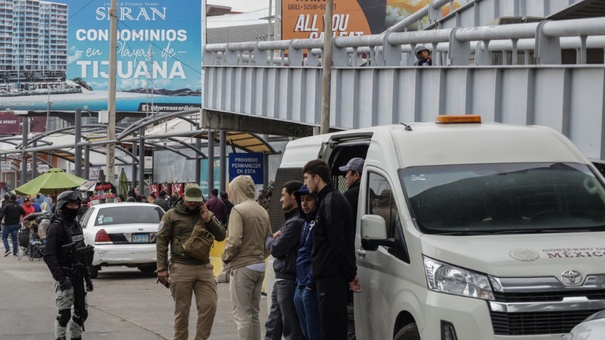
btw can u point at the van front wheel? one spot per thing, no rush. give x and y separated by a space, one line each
409 332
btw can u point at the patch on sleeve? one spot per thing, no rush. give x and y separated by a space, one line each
161 226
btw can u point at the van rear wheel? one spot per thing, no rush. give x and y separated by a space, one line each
409 332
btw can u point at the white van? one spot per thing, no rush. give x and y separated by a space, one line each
467 230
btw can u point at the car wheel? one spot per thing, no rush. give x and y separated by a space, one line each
147 269
94 272
409 332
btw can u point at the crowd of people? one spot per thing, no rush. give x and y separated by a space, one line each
315 270
13 212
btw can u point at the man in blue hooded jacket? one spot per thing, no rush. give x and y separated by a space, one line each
305 297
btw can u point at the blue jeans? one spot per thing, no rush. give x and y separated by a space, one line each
13 230
305 301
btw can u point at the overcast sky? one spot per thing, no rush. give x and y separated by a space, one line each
242 5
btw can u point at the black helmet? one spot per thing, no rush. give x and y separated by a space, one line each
66 197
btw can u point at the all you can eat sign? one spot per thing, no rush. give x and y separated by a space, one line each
251 164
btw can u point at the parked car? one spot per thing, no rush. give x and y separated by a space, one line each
592 328
124 234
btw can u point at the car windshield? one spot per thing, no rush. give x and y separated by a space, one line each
129 215
504 198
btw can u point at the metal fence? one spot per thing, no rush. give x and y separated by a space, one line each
538 43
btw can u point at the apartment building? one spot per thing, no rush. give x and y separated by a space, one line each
33 41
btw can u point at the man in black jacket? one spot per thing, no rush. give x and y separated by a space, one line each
283 318
353 171
333 255
11 213
161 201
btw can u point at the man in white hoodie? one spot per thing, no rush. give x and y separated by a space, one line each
245 256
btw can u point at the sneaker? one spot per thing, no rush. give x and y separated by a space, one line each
16 255
8 252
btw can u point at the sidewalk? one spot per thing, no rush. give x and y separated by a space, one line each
125 304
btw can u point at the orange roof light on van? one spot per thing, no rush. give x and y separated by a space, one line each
458 119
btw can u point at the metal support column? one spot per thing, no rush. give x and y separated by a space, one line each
210 160
87 161
142 161
78 149
223 160
25 131
134 165
35 161
266 171
198 162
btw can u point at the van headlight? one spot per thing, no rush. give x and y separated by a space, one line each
445 278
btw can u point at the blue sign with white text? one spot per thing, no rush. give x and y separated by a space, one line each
251 164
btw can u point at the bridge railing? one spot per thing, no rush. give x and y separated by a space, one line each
540 43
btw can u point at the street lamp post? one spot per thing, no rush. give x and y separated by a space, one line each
49 103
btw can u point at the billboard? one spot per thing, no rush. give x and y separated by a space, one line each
303 19
61 55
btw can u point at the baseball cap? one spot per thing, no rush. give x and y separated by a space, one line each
355 164
193 193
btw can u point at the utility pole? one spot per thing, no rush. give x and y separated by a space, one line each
111 97
269 25
326 63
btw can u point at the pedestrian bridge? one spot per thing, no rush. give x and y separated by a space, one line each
548 72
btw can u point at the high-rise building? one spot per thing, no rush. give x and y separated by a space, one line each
33 41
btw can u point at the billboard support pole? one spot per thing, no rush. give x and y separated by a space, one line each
111 97
326 62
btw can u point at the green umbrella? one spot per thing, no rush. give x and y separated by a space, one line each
123 183
53 181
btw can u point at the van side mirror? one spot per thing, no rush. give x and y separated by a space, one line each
374 232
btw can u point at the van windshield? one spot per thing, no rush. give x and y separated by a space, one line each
505 198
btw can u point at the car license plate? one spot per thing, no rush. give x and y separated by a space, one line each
140 238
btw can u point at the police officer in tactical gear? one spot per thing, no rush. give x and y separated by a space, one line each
68 257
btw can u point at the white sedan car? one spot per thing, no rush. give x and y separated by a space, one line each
123 234
593 328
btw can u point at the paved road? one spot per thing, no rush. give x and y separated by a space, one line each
125 304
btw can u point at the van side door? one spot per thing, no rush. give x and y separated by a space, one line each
377 266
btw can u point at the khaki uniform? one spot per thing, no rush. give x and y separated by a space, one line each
187 275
